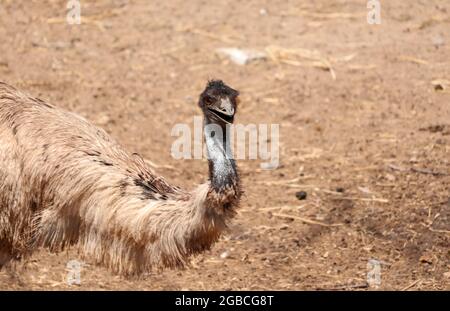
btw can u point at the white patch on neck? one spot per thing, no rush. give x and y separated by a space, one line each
222 167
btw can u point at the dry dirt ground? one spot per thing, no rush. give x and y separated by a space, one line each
364 114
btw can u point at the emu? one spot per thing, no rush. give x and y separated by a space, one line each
64 181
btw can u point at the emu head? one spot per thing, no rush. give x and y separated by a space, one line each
219 102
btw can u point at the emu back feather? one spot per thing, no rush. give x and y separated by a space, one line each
64 181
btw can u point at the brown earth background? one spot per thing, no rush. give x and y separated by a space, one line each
364 114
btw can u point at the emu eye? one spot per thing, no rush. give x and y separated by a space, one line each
208 100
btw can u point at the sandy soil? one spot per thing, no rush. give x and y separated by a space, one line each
379 131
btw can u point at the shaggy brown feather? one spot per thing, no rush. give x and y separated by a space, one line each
64 181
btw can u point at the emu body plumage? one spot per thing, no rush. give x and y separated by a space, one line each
64 181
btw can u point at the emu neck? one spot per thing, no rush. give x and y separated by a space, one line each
222 167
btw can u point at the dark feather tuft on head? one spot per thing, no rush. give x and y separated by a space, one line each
218 88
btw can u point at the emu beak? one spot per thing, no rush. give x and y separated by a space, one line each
224 112
226 107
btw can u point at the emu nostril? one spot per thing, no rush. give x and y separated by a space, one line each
227 110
